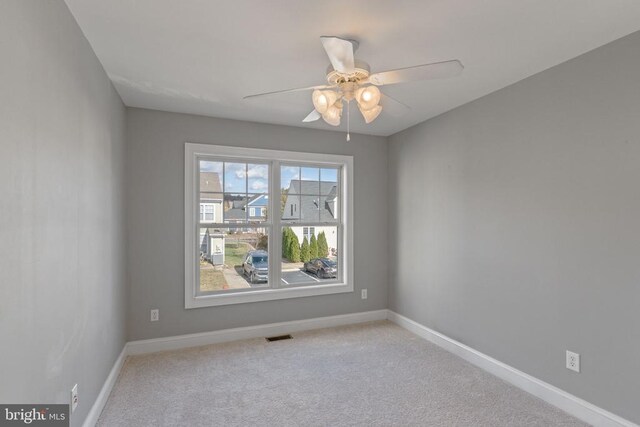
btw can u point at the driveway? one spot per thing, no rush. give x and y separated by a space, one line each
235 279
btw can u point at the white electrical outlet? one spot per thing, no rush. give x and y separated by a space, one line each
155 315
364 294
573 361
74 398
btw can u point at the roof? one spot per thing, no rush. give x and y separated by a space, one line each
311 187
307 204
235 214
237 210
258 200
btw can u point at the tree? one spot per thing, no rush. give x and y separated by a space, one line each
285 242
313 247
323 246
304 250
294 248
263 242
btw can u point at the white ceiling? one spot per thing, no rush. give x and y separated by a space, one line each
203 56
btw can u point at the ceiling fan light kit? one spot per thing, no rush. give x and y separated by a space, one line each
333 114
368 97
371 114
323 100
349 79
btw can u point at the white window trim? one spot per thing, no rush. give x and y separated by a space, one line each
213 209
191 153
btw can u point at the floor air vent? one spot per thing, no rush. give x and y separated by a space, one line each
279 338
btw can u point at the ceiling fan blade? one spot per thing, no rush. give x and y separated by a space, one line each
436 70
312 117
277 92
340 53
393 106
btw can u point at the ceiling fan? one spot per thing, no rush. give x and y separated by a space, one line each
350 79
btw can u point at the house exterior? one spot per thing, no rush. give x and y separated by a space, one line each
253 210
211 212
313 201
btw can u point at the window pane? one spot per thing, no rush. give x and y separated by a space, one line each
309 256
310 181
330 204
235 177
232 258
310 207
210 209
291 207
212 167
289 174
329 175
257 207
235 208
258 178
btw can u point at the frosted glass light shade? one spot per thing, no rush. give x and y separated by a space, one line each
333 114
372 114
323 100
368 97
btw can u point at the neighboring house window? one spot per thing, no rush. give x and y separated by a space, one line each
257 212
207 212
246 259
308 232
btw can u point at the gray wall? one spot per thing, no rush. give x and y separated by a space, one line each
62 258
155 200
514 224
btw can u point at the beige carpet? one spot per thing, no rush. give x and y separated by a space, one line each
373 374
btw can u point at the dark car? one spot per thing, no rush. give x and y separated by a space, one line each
256 266
324 268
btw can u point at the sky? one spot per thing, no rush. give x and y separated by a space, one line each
254 178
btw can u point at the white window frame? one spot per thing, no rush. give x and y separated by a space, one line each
274 157
204 213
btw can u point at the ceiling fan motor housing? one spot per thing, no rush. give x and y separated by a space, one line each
360 72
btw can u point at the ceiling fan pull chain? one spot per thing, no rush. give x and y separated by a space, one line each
348 120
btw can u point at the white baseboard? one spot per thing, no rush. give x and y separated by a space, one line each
573 405
206 338
569 403
105 391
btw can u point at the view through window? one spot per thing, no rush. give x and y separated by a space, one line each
235 225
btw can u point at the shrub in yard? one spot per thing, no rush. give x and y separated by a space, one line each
294 248
263 242
313 247
323 246
286 241
304 250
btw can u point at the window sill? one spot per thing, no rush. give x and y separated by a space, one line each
266 295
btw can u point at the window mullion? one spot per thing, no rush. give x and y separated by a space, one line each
275 241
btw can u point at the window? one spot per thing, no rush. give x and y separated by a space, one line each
237 251
308 232
207 212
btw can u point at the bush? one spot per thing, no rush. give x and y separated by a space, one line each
323 246
287 236
263 242
285 242
294 248
304 250
313 247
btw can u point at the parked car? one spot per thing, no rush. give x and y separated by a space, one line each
324 268
256 266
